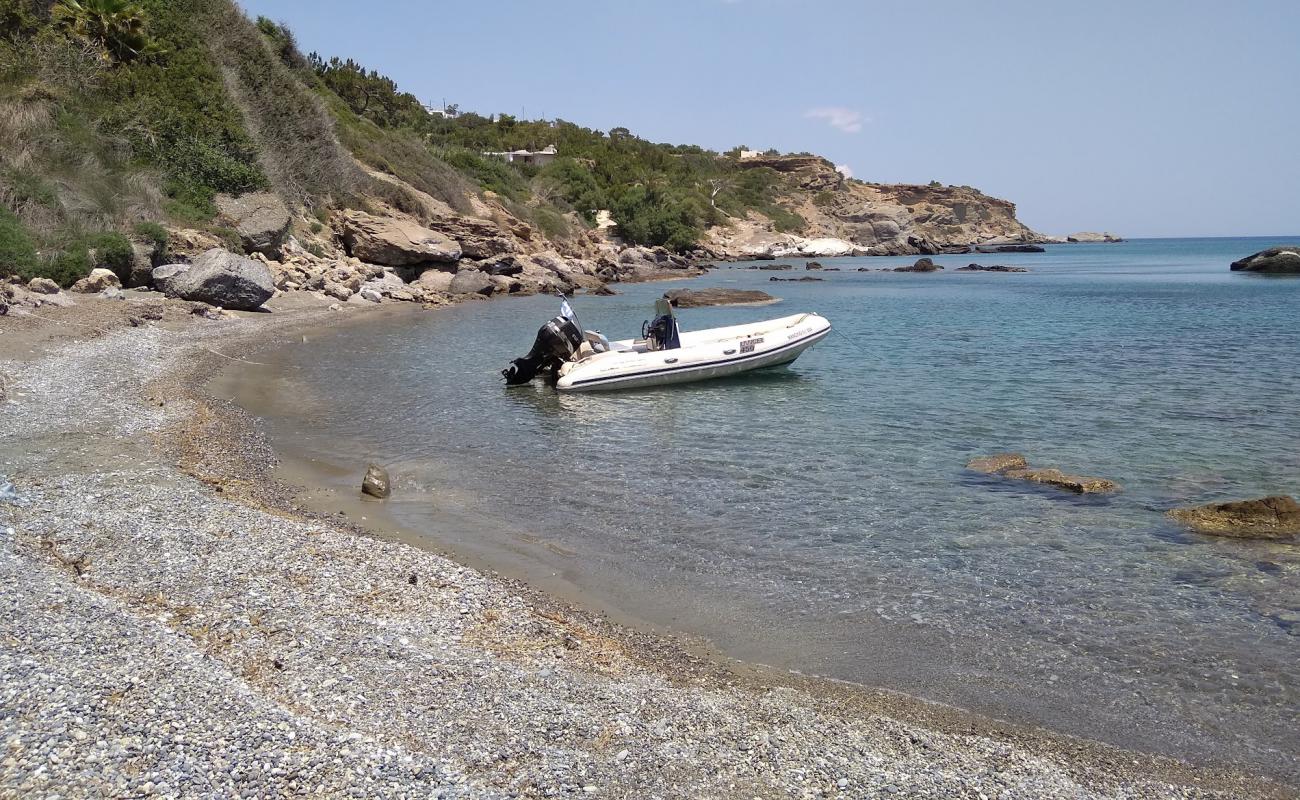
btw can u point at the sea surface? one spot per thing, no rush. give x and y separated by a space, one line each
819 518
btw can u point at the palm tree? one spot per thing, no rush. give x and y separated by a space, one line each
118 26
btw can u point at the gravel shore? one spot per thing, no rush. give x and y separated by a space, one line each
172 635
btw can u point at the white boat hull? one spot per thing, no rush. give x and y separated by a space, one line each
704 355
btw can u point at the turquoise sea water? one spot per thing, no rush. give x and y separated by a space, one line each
819 518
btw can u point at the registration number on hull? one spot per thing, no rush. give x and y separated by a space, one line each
748 345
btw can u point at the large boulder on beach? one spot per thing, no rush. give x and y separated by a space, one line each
471 281
396 242
260 218
698 298
1283 260
219 278
42 286
97 281
1275 517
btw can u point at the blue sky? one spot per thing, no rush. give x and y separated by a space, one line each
1144 118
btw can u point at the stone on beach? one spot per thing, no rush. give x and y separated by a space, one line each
97 281
471 281
219 278
698 298
1275 517
43 286
376 482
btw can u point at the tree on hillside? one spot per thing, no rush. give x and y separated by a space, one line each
117 26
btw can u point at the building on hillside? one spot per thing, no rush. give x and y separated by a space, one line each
539 158
745 155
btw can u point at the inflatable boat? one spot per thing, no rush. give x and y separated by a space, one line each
579 361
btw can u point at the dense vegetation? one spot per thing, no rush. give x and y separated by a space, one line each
115 113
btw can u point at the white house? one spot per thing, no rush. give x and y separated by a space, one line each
538 158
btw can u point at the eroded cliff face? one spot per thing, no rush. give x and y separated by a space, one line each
853 217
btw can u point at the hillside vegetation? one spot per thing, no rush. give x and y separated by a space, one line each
117 117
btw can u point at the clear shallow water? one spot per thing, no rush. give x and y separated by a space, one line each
820 519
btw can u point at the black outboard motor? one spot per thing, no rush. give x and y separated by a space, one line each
555 342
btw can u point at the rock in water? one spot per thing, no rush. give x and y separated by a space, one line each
260 218
97 281
698 298
921 265
376 483
990 268
1276 517
997 463
1013 465
1092 236
396 242
1277 260
219 278
1079 484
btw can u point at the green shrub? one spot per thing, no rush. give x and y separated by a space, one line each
66 267
17 251
229 239
551 222
155 233
316 227
111 250
823 199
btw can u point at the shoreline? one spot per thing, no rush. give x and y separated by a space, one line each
207 451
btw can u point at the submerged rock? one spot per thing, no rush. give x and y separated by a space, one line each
376 483
813 265
774 266
1277 260
997 463
1275 517
990 268
698 298
1080 484
1014 465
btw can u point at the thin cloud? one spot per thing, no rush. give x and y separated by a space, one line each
838 117
845 170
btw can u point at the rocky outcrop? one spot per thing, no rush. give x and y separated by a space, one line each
808 172
989 268
1283 260
921 265
97 281
218 278
1014 466
1276 517
1091 236
395 242
698 298
260 218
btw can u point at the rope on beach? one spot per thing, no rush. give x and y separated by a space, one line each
233 358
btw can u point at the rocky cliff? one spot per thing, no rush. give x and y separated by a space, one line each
850 217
